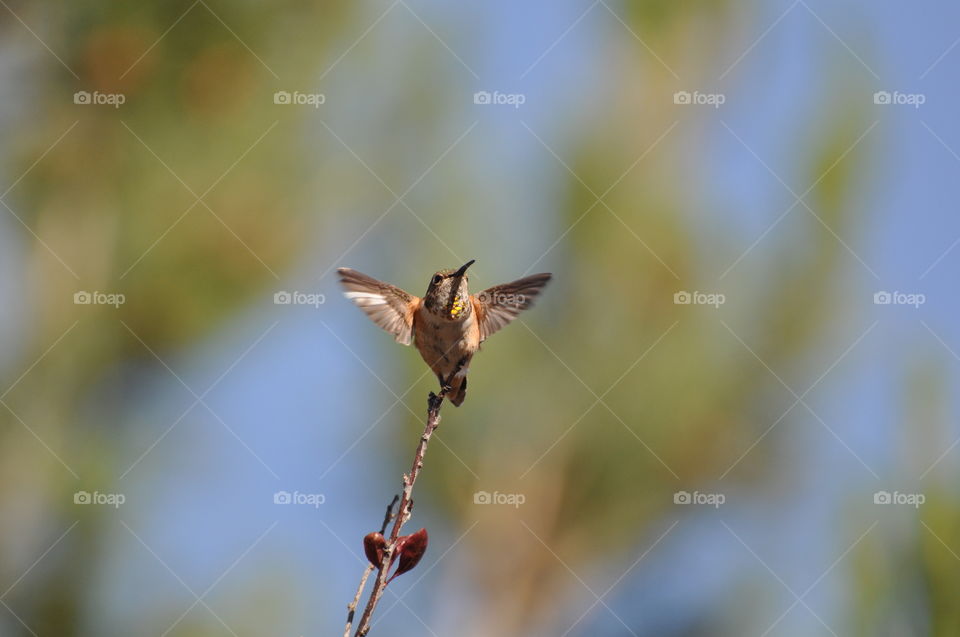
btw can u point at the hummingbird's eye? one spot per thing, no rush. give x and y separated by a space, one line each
436 279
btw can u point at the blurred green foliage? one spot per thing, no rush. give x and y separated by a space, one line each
197 99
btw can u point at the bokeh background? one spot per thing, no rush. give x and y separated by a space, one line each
685 469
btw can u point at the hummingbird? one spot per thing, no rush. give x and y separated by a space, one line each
448 324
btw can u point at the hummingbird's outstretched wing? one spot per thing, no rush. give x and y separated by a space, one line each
497 306
387 305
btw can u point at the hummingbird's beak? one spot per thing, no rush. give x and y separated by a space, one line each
463 268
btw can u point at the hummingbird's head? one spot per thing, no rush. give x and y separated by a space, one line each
447 294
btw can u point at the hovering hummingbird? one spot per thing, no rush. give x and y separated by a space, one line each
448 324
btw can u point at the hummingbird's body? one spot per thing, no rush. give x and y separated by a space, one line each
447 346
448 324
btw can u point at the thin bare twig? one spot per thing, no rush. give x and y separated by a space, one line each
402 515
352 606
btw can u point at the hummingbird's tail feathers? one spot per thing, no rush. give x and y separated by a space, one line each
387 305
459 391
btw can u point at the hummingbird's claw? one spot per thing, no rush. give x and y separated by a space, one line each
433 402
446 385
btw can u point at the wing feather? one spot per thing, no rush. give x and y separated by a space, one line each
387 305
497 306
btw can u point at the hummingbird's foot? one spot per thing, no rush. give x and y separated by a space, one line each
433 402
446 384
